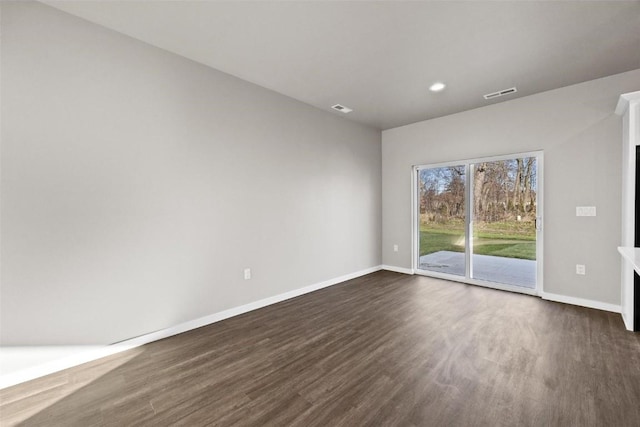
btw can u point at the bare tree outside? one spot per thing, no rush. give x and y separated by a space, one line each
504 208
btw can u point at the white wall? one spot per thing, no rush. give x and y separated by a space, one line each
581 138
137 185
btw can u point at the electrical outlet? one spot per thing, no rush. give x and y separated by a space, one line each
580 269
247 273
395 248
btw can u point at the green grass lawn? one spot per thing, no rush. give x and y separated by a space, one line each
498 239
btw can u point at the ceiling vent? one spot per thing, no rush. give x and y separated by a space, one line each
341 108
500 93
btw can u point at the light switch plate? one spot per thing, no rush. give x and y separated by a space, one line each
585 211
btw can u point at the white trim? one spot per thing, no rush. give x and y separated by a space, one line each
469 170
397 269
581 302
78 359
415 219
629 108
624 101
628 323
540 219
463 162
632 255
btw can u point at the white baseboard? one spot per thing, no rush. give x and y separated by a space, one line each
628 323
397 269
581 302
88 356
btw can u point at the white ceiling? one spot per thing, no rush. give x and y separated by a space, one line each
379 58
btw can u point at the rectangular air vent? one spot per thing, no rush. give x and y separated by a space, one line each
500 93
341 108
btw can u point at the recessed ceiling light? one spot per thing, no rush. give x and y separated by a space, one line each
437 87
341 108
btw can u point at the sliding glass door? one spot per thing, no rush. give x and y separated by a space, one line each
479 221
442 219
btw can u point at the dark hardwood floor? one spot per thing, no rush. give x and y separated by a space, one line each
384 349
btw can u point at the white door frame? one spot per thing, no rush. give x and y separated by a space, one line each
415 223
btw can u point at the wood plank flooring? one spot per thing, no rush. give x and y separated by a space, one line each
385 349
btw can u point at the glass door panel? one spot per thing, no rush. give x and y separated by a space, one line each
442 219
480 221
503 221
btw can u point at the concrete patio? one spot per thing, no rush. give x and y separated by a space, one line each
511 271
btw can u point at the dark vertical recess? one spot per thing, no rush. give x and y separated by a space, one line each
636 278
636 239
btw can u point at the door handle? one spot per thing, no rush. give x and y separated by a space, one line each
539 223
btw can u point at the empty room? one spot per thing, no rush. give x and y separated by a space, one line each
319 213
